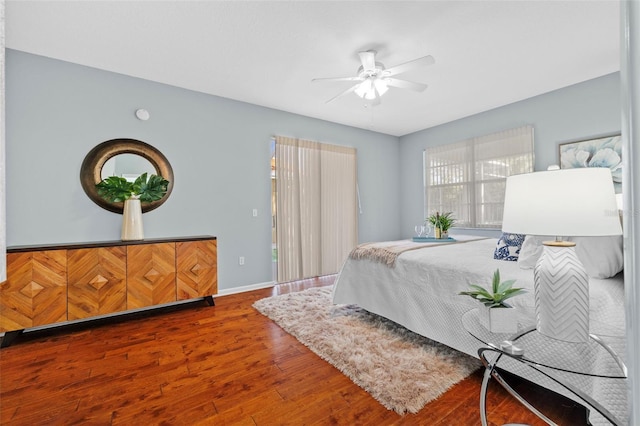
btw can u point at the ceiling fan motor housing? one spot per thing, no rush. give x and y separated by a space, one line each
375 72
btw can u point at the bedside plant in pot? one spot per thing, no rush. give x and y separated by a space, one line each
495 314
441 223
117 189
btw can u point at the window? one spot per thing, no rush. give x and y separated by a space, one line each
468 177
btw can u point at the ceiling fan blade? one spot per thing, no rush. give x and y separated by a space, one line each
368 60
420 62
337 79
404 84
346 92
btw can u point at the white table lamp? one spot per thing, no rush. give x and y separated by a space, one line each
568 202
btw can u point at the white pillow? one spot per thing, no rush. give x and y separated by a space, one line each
530 251
602 257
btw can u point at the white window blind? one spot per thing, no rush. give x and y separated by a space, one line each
316 207
468 177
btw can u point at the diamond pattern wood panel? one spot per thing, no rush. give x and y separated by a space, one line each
197 269
151 274
35 290
97 281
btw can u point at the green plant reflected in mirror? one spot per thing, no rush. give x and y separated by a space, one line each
127 158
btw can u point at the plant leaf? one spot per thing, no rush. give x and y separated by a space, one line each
154 189
505 286
496 281
513 292
114 189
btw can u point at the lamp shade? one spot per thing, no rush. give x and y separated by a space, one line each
567 202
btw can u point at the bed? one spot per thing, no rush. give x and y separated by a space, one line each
418 288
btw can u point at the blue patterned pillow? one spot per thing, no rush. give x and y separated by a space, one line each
508 247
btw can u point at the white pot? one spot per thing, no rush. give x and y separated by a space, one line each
498 320
132 220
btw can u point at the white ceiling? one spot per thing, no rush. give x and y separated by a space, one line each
488 53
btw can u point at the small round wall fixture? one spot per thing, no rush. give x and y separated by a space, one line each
101 162
143 114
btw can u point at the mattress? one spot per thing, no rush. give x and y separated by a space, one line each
421 293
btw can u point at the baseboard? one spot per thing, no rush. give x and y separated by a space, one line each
243 289
117 316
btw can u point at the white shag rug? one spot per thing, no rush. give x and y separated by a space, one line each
400 369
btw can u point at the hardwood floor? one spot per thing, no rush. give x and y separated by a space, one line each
221 365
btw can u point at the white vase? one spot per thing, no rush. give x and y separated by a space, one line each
498 320
132 220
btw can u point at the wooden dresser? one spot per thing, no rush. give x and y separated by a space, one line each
59 283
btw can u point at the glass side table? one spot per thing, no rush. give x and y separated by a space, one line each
556 360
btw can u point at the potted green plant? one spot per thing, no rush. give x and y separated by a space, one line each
441 223
117 189
495 314
142 190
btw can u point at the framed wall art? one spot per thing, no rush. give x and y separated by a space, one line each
600 152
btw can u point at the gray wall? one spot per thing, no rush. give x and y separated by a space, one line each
219 149
581 111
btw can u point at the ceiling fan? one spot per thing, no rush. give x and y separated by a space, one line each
373 79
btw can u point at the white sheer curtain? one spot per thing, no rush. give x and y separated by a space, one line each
316 207
468 177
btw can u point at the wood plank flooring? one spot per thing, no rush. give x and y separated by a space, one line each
221 365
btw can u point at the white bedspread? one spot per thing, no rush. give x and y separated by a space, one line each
421 293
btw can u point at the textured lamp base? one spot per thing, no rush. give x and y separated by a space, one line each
561 287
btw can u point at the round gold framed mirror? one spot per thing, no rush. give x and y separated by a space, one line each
136 158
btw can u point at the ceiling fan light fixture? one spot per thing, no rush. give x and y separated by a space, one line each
364 89
381 86
371 88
